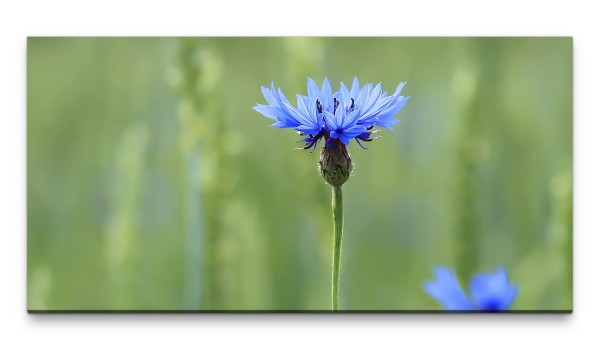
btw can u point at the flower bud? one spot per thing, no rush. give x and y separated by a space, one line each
335 163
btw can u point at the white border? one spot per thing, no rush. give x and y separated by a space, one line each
316 18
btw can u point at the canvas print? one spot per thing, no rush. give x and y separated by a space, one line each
300 174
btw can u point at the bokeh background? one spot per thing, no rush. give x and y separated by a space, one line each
153 185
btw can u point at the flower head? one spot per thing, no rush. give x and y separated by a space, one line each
489 292
336 117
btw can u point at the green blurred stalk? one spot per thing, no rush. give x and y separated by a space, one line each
468 254
338 224
204 135
190 152
122 244
467 226
193 230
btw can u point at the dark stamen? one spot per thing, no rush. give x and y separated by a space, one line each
319 106
336 103
311 142
360 144
352 106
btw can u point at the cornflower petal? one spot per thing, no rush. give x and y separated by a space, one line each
345 95
350 119
330 120
493 292
355 88
447 290
313 89
326 94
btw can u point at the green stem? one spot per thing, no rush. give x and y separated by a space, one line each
338 223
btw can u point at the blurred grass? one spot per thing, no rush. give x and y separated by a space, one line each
152 184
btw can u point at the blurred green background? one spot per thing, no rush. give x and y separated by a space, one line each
153 185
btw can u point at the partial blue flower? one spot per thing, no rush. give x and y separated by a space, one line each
488 292
340 116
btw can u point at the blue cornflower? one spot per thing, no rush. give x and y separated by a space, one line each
489 292
341 116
